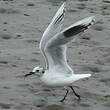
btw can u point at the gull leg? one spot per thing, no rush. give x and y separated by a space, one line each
65 95
75 92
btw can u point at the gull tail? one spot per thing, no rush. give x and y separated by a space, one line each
81 76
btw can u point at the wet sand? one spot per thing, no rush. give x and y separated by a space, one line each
22 23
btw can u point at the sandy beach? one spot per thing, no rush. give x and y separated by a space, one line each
22 23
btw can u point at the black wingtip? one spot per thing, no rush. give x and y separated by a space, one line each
75 30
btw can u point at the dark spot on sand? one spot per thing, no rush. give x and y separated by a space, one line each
4 29
79 53
26 14
9 11
8 0
34 60
105 80
36 53
106 1
30 4
4 62
85 37
5 23
32 41
23 85
6 87
5 106
18 35
5 36
46 90
13 65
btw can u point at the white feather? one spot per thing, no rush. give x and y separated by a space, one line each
53 47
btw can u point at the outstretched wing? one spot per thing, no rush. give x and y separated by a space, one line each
56 47
70 33
53 28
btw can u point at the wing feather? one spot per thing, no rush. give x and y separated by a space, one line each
70 33
53 28
56 47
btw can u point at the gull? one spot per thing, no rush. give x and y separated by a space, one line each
57 72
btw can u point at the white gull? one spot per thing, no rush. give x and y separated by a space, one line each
57 72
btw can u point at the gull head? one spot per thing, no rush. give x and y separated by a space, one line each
38 69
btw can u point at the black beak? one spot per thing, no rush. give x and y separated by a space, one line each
29 74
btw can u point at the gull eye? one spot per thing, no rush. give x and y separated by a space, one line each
43 71
37 70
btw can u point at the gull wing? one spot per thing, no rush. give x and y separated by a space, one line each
53 28
70 33
56 47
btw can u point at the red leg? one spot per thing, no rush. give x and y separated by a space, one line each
75 92
65 95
